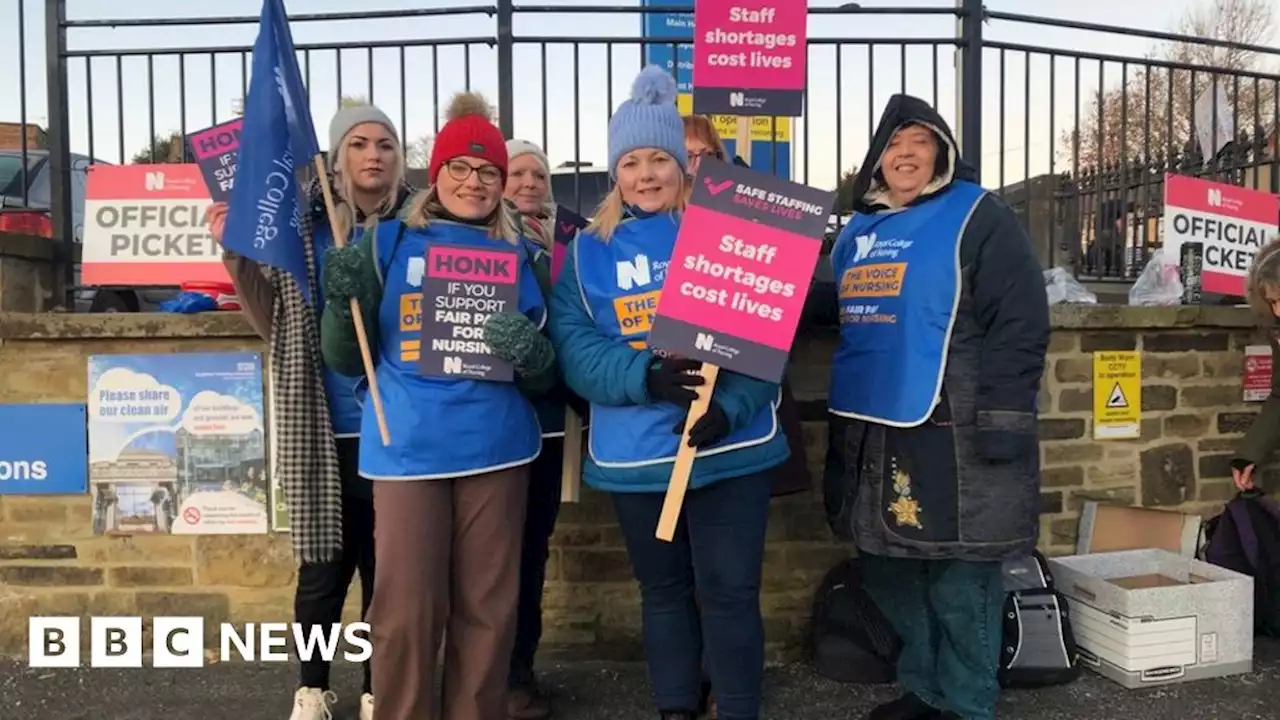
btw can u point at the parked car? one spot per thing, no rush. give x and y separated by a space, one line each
32 216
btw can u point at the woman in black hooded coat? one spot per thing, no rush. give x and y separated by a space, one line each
933 462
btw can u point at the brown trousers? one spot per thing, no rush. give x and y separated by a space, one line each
448 559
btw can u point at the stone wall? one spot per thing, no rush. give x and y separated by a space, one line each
29 274
50 562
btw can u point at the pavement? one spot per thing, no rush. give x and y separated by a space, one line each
598 691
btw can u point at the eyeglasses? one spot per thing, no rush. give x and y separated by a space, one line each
460 170
698 155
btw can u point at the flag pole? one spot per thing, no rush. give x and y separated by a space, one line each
358 317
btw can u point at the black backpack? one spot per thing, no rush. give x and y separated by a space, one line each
1038 647
850 639
1246 538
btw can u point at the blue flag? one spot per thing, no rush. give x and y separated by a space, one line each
277 137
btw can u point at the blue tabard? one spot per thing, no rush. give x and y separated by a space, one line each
344 393
440 427
898 278
621 281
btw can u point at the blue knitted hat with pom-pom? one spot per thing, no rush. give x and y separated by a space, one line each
648 119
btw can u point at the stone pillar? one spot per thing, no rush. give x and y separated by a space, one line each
28 274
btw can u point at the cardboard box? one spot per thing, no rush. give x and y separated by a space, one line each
1152 617
1111 528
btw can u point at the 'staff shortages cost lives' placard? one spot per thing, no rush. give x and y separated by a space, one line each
740 271
462 288
749 57
1231 223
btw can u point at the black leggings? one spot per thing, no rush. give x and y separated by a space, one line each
322 587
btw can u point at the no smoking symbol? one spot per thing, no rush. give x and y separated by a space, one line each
191 515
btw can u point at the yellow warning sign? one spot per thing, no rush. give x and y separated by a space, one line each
1117 395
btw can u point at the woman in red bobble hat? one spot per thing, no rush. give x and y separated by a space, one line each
450 488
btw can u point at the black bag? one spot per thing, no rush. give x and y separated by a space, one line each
1038 646
1246 538
850 639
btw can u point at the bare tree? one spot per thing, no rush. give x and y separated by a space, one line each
162 149
417 152
1151 114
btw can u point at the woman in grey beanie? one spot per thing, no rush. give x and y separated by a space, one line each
317 411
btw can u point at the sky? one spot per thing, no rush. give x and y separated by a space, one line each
572 129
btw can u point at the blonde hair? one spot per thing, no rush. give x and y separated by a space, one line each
1264 274
609 214
426 205
345 210
700 127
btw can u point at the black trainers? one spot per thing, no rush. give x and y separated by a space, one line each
907 707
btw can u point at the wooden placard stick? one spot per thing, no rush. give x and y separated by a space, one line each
683 467
571 464
357 316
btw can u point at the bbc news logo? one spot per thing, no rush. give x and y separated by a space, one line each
178 642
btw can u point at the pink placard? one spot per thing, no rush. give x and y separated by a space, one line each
749 56
740 270
739 277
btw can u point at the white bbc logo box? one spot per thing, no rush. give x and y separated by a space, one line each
178 642
115 642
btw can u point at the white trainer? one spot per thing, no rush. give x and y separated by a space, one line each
366 707
313 704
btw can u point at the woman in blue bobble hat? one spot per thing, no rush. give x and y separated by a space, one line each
601 310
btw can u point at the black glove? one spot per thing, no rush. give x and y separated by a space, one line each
708 430
670 379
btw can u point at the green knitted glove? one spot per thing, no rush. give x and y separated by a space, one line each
513 337
345 274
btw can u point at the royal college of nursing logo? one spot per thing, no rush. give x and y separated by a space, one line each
633 273
864 244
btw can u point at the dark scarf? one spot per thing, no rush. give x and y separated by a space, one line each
305 459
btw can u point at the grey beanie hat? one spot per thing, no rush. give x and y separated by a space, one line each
349 117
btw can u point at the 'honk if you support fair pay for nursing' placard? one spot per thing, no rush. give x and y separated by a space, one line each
462 288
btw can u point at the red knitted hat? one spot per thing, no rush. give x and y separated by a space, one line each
469 130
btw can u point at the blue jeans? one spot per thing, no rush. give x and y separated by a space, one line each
716 555
947 613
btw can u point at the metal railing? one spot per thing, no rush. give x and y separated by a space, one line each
1075 132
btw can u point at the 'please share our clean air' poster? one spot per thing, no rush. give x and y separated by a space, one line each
177 444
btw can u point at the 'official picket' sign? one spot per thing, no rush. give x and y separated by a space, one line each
1229 222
